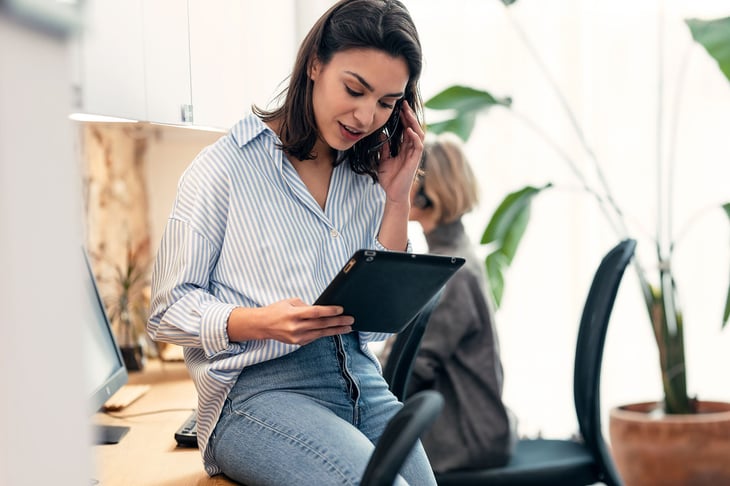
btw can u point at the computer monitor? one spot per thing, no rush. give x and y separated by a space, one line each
105 370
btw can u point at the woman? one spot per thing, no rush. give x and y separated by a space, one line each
459 353
263 220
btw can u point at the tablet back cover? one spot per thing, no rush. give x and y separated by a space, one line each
384 291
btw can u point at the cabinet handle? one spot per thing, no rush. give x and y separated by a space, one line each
186 113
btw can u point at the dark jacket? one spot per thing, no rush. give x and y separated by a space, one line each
459 357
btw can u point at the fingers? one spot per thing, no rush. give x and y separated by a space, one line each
314 328
412 122
336 321
316 311
312 335
330 321
323 317
413 135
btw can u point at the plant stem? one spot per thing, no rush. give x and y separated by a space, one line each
691 221
617 220
665 318
660 234
671 155
615 223
668 324
562 100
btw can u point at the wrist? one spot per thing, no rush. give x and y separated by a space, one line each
394 226
241 325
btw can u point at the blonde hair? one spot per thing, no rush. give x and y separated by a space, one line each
447 179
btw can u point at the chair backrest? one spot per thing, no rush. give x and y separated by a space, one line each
589 353
400 435
399 364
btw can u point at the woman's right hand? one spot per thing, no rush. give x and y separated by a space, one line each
290 321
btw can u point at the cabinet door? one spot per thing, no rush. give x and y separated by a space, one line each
240 51
112 59
167 60
270 30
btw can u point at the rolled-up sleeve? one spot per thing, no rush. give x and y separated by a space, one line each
183 311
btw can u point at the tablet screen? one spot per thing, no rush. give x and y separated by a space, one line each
384 290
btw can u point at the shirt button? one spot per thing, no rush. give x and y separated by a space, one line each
334 233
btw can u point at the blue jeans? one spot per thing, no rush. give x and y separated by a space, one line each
310 417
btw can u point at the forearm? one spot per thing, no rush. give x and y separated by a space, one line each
195 319
393 233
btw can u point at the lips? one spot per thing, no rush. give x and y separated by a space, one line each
350 134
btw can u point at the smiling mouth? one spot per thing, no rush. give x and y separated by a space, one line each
351 133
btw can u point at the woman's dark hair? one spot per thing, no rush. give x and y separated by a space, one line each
385 25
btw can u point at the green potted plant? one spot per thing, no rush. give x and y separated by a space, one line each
509 222
126 299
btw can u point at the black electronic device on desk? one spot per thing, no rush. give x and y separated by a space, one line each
187 434
384 290
105 369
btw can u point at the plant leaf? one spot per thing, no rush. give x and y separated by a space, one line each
461 125
726 314
505 231
464 99
495 274
508 212
714 36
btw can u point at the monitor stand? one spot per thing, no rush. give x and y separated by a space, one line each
109 434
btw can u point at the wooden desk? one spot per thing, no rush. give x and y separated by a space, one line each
148 454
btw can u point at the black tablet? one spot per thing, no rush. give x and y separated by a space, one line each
384 290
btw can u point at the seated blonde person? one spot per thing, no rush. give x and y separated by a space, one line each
459 354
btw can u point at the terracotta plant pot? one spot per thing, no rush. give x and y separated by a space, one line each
671 450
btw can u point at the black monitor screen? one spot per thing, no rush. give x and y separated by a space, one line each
105 370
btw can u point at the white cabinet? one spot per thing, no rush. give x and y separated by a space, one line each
111 61
167 61
239 53
175 61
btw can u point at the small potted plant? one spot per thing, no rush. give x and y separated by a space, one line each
126 297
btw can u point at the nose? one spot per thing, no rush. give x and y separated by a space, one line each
365 114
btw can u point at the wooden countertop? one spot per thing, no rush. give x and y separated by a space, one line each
148 454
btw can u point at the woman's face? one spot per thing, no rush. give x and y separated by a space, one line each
355 93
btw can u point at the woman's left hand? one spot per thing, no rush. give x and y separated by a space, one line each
396 174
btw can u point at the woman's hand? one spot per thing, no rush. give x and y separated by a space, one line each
396 174
290 321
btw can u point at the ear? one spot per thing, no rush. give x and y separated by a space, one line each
315 68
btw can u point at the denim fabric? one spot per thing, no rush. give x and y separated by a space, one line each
310 417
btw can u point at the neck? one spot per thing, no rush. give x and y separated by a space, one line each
427 224
323 153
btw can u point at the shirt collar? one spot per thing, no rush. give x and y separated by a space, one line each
248 129
447 234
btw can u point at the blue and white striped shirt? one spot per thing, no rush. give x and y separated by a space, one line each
245 231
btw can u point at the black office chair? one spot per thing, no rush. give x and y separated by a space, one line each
541 462
400 361
400 435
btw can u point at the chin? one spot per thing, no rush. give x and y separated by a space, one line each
340 145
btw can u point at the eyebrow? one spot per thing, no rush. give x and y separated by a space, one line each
370 88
